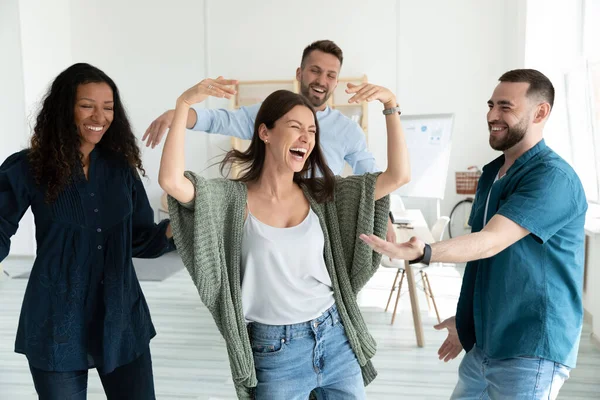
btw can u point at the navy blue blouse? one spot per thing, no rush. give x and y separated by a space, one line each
83 306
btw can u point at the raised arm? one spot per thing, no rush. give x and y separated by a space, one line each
358 155
172 163
238 123
397 172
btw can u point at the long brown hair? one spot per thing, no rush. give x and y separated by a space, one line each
251 161
55 154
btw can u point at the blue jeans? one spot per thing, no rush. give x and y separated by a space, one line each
480 377
133 381
293 360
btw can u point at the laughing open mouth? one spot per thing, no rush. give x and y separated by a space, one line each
298 152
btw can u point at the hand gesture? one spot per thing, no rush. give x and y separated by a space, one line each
410 250
451 347
208 87
219 87
391 233
370 92
158 128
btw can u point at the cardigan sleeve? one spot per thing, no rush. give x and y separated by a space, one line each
357 213
198 233
14 197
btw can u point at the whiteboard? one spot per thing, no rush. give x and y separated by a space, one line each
429 140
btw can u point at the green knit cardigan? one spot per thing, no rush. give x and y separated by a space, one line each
208 235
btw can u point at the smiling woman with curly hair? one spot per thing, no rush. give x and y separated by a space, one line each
83 307
59 146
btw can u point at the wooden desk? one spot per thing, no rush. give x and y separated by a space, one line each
420 230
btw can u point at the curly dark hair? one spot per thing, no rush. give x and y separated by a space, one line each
55 156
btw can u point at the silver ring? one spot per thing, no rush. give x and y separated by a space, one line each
210 87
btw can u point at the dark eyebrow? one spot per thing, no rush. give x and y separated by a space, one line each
501 103
93 101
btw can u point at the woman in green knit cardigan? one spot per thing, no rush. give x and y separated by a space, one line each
275 253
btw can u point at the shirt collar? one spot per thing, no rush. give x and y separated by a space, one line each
323 113
522 160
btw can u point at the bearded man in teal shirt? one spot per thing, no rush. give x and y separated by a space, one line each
520 310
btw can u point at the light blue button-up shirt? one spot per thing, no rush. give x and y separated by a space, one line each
342 140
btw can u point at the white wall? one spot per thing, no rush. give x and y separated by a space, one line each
451 55
554 46
153 50
445 60
13 135
265 40
45 46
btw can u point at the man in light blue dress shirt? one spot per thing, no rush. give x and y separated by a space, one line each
342 140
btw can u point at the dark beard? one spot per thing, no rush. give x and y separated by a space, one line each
316 102
513 136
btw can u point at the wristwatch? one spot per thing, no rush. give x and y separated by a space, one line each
425 258
392 110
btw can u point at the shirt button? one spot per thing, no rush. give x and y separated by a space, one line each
92 194
99 230
95 210
99 247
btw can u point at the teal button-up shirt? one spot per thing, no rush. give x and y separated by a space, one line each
527 299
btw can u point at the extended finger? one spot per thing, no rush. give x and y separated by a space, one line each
373 241
227 82
365 88
367 94
352 88
453 354
223 87
156 132
160 133
443 350
216 91
147 133
151 133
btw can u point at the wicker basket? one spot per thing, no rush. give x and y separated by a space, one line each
466 182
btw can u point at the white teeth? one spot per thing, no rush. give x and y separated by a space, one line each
299 149
94 128
318 90
497 128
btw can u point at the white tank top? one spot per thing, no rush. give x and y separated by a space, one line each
284 277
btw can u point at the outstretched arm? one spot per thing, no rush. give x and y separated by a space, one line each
238 123
172 163
497 235
397 172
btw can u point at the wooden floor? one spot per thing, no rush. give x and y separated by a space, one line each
190 361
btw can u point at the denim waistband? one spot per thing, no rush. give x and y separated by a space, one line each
329 318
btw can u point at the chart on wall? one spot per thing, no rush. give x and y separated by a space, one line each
429 140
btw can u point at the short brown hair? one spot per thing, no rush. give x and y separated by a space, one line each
326 46
539 84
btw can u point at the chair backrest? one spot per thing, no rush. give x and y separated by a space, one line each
438 229
396 203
